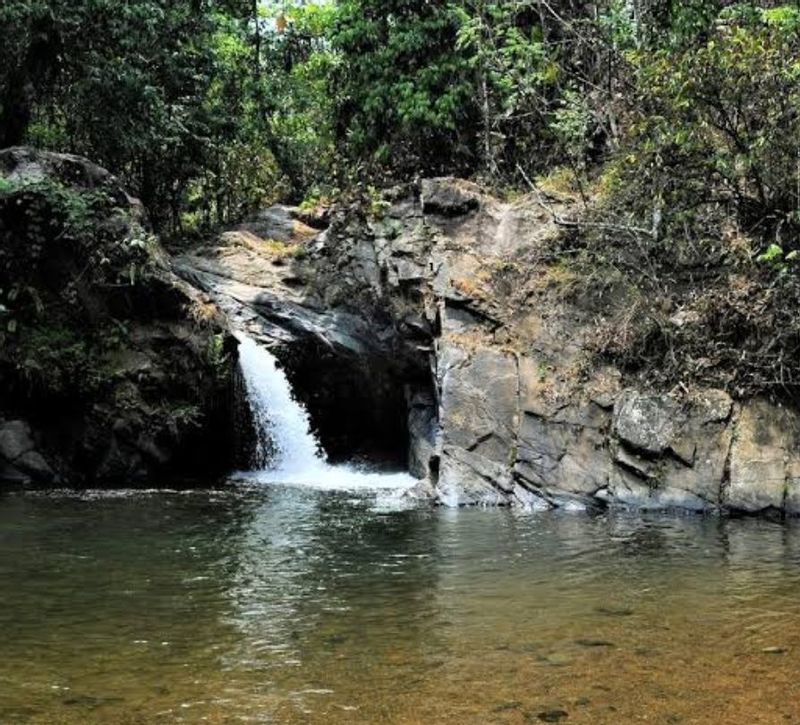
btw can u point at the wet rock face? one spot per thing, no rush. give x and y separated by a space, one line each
356 406
423 431
360 365
113 371
20 462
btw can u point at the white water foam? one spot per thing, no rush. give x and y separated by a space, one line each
287 451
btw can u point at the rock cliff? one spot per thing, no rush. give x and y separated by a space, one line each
442 312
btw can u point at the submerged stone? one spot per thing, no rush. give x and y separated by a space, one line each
594 643
552 715
506 706
614 611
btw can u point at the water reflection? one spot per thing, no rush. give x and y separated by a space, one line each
321 579
298 605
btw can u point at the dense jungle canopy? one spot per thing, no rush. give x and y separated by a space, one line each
207 108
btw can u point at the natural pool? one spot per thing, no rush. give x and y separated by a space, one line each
294 605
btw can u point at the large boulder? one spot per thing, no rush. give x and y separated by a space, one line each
645 422
20 462
449 197
113 371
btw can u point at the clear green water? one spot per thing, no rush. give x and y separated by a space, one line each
291 605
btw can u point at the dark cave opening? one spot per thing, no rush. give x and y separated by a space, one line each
358 405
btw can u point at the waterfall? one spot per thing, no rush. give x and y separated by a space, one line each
284 440
286 449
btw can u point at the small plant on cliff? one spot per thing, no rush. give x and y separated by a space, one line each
49 229
218 358
774 257
57 361
377 206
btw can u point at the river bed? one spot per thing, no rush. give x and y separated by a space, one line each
288 604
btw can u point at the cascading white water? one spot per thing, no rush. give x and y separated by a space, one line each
286 449
284 438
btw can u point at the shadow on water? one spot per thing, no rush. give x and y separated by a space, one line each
321 580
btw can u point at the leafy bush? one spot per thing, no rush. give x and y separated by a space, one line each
716 131
701 208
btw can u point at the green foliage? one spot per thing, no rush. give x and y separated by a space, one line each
701 202
404 97
209 109
202 107
617 24
687 22
377 205
516 77
299 64
58 361
218 358
150 89
80 239
716 130
774 257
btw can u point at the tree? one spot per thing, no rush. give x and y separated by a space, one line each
29 63
515 74
405 101
298 65
155 90
717 129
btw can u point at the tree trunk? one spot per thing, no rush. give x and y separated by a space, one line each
16 113
256 42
